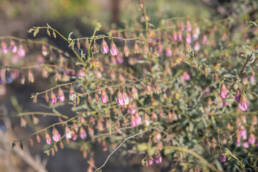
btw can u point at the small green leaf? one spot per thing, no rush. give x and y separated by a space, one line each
54 34
36 31
48 33
31 30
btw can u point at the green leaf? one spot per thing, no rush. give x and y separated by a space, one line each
48 33
54 34
31 30
36 31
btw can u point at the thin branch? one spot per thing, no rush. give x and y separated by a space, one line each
124 141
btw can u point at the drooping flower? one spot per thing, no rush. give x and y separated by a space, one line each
174 36
81 73
197 46
146 119
138 119
238 142
188 26
4 48
48 139
204 40
243 104
126 50
104 97
133 123
246 144
238 95
185 76
150 161
83 134
13 47
21 52
242 132
113 49
74 135
251 139
68 133
196 33
252 78
179 36
223 91
158 159
169 52
61 96
56 136
136 48
188 38
134 93
44 50
104 47
119 58
53 98
222 158
122 99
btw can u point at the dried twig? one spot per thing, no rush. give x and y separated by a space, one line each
125 140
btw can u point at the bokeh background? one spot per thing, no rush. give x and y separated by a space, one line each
79 16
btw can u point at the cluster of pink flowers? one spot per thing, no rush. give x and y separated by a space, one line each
242 136
12 48
69 134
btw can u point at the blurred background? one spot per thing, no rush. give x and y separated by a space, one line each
79 16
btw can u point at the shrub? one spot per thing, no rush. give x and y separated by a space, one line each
183 92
